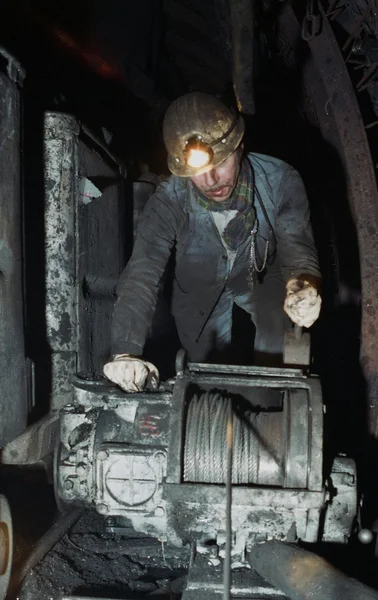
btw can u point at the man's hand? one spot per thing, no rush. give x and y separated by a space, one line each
131 373
302 303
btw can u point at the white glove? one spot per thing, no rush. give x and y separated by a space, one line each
302 303
132 374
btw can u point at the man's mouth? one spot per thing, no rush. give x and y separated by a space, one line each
218 193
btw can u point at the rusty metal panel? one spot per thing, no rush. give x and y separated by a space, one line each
13 399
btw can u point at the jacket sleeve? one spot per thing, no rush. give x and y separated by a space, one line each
138 286
295 242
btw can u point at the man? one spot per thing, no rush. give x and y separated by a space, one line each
239 232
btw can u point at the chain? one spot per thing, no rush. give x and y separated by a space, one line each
253 266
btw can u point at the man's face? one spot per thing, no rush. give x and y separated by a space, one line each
219 183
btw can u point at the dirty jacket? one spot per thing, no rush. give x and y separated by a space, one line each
175 225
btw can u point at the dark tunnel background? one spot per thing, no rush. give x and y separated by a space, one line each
117 65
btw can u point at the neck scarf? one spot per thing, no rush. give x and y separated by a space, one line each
241 200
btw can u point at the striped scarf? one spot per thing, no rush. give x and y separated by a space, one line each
239 228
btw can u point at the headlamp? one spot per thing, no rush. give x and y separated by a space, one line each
198 154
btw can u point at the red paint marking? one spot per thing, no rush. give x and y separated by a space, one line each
149 425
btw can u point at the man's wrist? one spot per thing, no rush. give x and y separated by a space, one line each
307 279
120 356
126 356
125 347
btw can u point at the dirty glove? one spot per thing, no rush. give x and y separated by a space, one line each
131 373
302 302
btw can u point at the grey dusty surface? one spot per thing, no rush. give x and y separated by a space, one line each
86 562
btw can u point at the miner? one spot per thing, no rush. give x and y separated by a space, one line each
237 227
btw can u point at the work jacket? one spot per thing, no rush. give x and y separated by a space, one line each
175 225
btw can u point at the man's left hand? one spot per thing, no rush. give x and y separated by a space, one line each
302 303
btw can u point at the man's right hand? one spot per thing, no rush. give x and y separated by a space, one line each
131 373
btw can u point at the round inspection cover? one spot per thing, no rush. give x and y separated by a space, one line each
131 480
6 546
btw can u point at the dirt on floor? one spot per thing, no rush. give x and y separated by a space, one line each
89 562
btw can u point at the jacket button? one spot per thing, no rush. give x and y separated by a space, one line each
201 312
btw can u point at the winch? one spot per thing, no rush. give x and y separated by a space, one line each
157 460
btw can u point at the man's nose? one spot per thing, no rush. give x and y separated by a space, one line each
211 178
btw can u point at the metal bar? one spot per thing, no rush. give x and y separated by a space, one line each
243 496
227 558
61 163
113 157
85 598
244 370
34 444
242 34
13 401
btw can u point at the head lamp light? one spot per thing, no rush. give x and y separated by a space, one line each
199 154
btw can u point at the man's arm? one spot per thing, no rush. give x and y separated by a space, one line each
297 252
138 286
295 242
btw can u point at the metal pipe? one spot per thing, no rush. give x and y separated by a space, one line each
242 34
302 575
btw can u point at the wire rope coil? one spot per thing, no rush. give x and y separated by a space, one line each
205 449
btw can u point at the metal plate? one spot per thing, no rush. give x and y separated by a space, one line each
297 347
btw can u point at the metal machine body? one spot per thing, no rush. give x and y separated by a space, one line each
151 460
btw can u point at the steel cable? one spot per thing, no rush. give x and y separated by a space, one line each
205 450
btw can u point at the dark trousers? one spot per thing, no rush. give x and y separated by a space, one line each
264 305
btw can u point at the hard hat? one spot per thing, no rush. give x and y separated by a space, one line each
200 132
